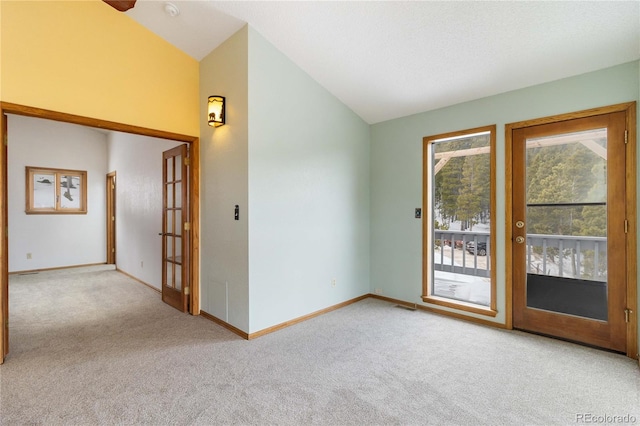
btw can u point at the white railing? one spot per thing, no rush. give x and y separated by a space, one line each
568 256
581 257
453 255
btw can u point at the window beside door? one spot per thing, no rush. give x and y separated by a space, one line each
459 222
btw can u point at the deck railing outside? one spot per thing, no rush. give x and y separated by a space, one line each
456 252
581 257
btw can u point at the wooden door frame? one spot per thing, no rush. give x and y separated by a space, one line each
111 221
629 109
4 241
194 194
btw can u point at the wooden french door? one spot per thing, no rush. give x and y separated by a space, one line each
175 228
569 230
111 218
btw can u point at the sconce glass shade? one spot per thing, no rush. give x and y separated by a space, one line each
216 111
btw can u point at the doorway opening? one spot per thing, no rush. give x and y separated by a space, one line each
194 210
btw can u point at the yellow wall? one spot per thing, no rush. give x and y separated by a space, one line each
86 58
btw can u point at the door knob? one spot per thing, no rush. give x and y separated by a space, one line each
520 240
519 224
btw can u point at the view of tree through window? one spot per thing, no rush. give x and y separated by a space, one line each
459 202
566 195
462 186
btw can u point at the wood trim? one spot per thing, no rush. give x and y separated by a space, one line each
35 271
121 5
631 205
56 268
508 231
428 219
157 290
194 210
455 304
571 115
440 312
225 325
10 108
278 327
632 240
396 301
4 241
305 317
494 211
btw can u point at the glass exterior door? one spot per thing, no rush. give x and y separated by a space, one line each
569 230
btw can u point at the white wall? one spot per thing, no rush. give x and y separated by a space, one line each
55 240
308 192
224 175
137 161
396 167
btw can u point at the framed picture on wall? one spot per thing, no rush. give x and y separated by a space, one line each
55 191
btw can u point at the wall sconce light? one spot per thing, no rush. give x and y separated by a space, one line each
216 111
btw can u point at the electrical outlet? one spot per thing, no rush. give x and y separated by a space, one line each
333 282
28 255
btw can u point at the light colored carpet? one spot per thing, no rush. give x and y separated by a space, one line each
95 347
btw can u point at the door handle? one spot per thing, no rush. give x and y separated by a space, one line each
519 239
519 224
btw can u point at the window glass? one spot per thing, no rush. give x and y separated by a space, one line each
458 227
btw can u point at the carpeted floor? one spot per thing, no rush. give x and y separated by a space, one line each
95 347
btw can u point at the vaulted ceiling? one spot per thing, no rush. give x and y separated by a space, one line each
388 59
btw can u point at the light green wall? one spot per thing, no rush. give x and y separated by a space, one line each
224 183
396 167
296 161
308 192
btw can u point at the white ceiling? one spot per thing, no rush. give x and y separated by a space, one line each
388 59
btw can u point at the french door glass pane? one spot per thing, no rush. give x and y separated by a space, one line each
178 280
178 221
169 247
178 195
170 279
170 196
169 166
178 165
169 224
178 244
